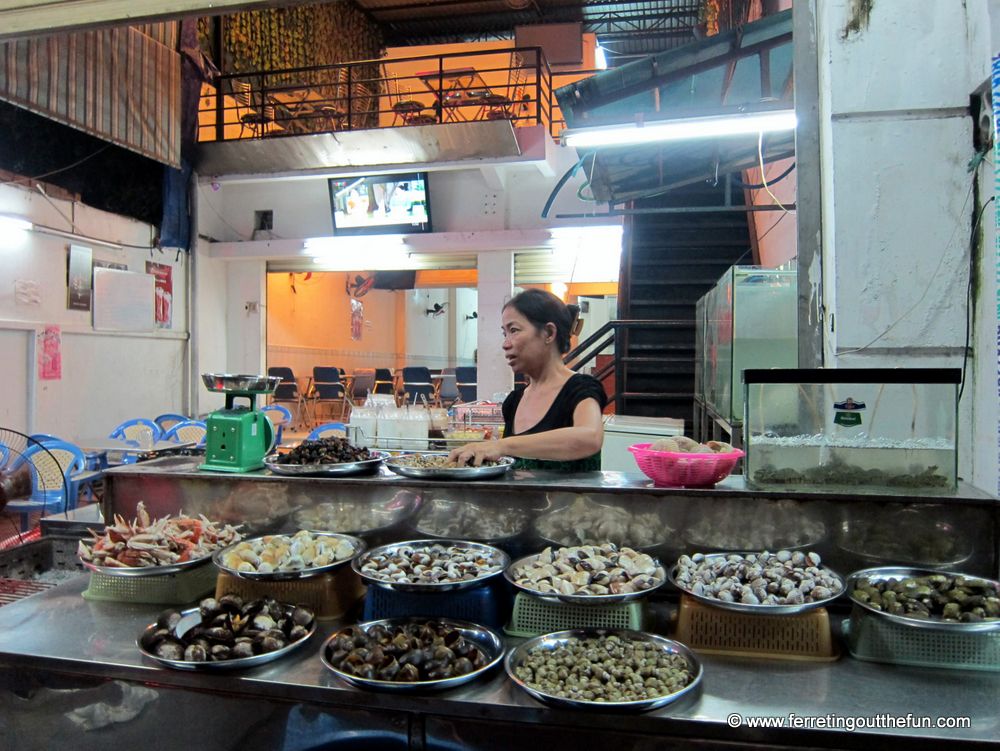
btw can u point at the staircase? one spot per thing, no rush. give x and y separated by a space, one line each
671 260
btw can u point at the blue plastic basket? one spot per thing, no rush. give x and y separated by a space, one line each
488 605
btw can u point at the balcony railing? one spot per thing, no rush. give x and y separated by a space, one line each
513 84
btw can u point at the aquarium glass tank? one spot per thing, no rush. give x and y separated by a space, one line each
857 429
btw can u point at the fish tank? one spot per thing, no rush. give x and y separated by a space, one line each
750 321
699 349
856 429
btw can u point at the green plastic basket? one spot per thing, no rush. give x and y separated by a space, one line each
533 617
876 639
171 589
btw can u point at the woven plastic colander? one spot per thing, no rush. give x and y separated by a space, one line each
678 469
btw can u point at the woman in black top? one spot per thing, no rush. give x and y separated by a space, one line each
555 421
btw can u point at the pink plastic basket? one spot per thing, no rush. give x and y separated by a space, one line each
677 469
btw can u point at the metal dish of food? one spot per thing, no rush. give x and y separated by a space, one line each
586 522
523 660
639 584
192 617
361 466
814 598
225 382
430 565
283 557
355 517
945 589
171 568
429 466
481 648
446 519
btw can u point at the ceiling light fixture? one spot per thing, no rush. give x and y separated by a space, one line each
12 223
712 126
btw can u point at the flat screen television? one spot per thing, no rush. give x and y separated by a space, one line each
380 204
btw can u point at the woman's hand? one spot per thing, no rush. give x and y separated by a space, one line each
476 453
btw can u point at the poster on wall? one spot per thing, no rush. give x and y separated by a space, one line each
79 273
357 318
50 354
164 292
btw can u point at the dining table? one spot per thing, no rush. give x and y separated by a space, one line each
458 90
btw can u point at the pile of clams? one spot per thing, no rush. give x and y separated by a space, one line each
588 570
406 653
782 578
417 562
946 597
229 630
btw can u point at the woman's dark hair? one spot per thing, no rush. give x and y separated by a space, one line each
541 307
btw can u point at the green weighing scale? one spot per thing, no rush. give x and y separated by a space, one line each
238 437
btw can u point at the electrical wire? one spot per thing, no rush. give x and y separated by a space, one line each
763 177
930 281
60 169
586 183
240 234
757 186
968 294
552 196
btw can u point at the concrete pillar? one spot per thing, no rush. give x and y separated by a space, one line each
897 199
496 284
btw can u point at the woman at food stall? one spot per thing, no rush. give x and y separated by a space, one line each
555 421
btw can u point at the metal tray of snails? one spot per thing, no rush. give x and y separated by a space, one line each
226 634
940 600
412 654
587 574
435 466
430 565
531 667
782 583
282 557
358 467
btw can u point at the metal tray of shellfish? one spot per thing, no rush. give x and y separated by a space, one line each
191 618
327 470
408 465
885 573
517 656
139 571
485 639
285 574
511 574
447 519
905 537
757 609
378 565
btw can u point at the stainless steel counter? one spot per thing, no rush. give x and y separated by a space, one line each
73 675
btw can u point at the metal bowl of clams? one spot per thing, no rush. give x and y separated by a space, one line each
587 574
189 639
480 522
434 466
430 565
412 654
940 599
693 575
527 667
279 557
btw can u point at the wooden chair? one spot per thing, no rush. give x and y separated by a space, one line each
362 384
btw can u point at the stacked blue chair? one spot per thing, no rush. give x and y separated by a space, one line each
134 431
329 429
279 417
167 420
53 466
187 431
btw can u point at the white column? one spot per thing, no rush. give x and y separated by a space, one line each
496 284
895 139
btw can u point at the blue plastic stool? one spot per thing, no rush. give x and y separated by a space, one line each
489 605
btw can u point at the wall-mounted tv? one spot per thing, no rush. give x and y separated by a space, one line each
380 204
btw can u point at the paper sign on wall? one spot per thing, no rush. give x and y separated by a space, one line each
164 292
50 354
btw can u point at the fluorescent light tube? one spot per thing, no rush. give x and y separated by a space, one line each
675 130
10 223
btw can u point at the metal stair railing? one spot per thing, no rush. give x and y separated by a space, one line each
615 332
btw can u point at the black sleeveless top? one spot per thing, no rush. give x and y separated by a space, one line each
560 415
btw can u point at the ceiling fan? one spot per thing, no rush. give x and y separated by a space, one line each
437 310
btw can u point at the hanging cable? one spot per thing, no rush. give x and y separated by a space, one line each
559 185
763 177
